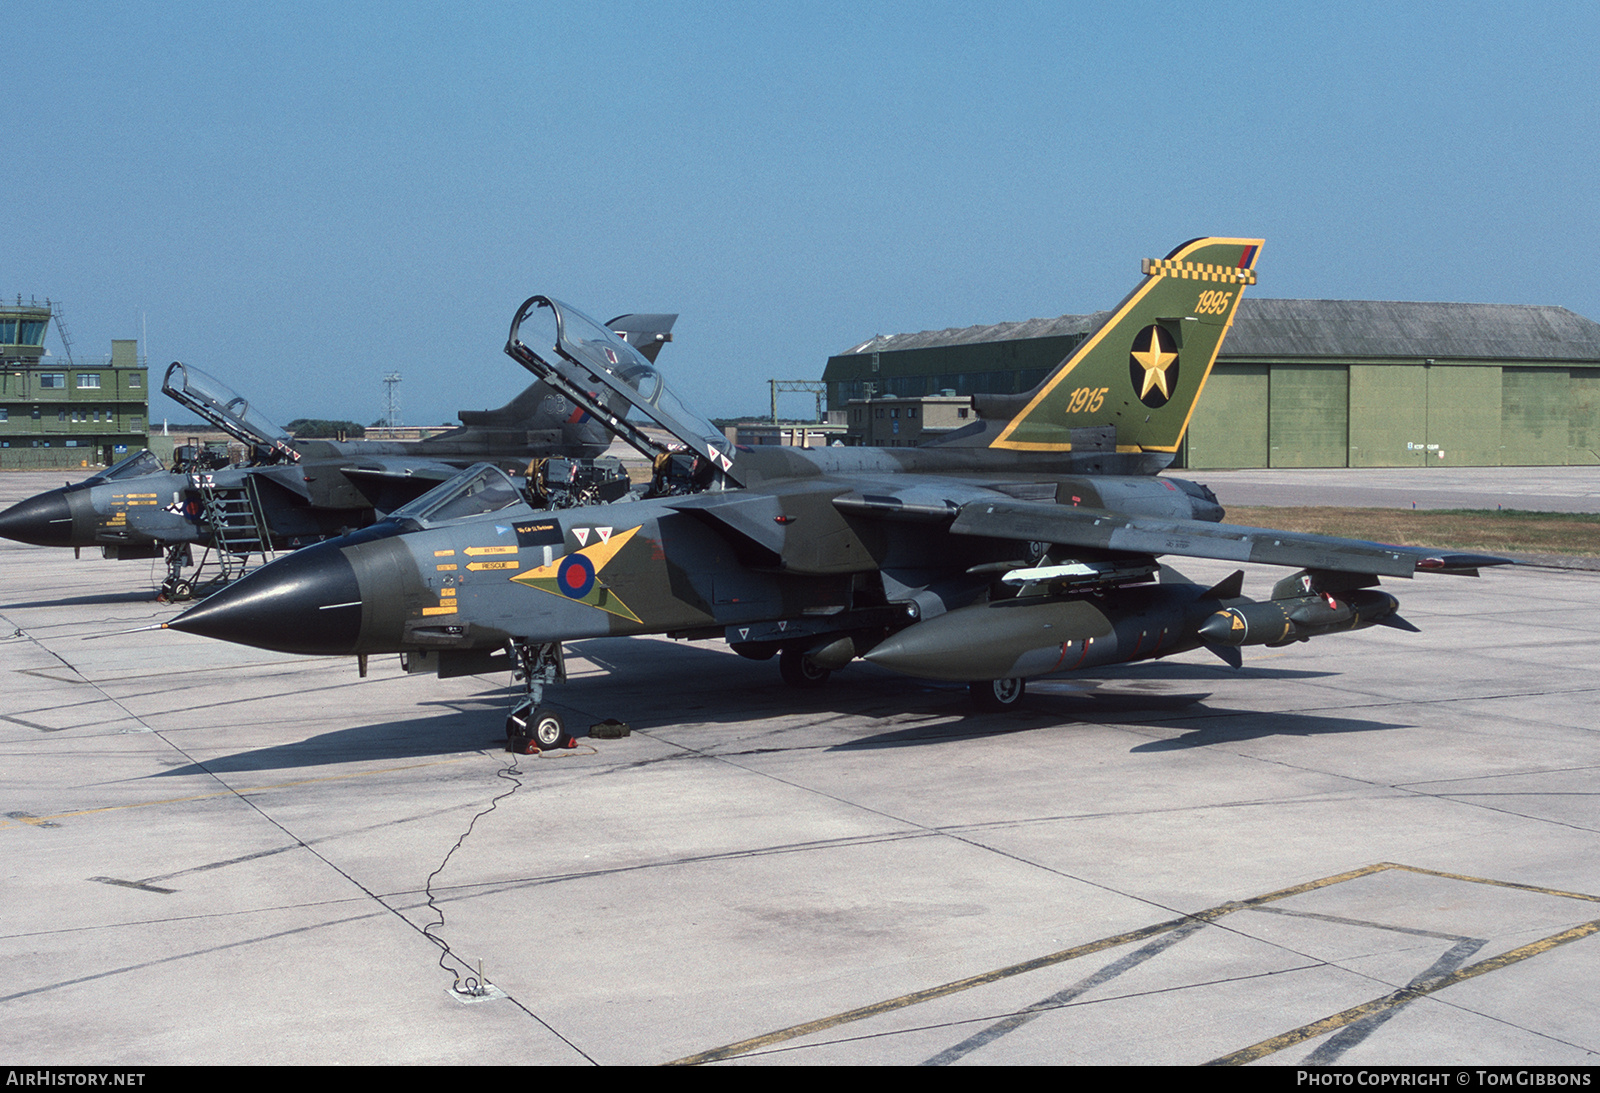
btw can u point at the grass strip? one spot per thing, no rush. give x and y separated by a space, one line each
1489 530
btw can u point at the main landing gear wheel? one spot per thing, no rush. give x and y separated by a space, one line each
997 694
797 670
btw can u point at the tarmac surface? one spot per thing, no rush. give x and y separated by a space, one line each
1374 848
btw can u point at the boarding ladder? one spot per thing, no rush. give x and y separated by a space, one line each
238 528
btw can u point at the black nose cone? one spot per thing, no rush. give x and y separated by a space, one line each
306 602
45 520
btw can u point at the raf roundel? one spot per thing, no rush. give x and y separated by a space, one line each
576 576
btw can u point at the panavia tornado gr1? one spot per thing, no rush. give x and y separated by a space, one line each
289 492
1022 546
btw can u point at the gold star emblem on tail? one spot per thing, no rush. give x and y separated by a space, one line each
1155 364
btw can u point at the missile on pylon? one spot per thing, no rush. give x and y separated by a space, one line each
1279 622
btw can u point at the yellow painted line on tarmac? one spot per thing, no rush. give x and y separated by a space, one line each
37 821
1498 883
1266 1047
1404 994
892 1004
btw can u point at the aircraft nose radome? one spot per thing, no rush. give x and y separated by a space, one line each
45 520
306 602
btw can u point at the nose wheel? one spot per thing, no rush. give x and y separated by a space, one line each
531 727
176 589
537 726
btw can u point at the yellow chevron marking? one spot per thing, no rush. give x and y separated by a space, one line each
597 553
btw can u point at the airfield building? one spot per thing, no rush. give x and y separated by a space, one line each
1308 383
66 413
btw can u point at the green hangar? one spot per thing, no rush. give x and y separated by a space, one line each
1311 383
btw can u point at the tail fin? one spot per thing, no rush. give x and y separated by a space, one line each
537 419
646 333
540 406
1143 370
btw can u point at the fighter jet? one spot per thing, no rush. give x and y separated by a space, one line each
1023 546
291 492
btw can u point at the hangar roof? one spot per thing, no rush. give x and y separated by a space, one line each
1384 328
1336 328
977 335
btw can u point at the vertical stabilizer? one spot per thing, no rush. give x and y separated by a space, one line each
1144 369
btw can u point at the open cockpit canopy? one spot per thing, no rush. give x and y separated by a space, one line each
611 380
226 409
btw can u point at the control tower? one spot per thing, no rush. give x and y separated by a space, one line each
60 412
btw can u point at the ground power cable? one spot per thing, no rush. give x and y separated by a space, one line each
465 984
510 772
472 986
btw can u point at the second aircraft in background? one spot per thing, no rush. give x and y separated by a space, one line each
289 492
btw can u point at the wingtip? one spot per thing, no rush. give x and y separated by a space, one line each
1460 565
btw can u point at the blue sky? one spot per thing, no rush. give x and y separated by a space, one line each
300 198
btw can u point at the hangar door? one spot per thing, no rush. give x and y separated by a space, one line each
1464 416
1536 416
1388 415
1583 445
1229 426
1395 415
1280 415
1308 423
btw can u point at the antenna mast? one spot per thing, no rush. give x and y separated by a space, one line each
391 413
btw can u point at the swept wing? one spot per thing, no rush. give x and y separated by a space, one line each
1120 533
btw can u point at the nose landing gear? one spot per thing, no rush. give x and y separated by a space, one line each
530 727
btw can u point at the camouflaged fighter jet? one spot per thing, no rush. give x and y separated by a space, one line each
290 492
1023 546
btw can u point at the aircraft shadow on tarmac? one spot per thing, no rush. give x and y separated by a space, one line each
656 685
421 738
1215 725
1203 725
